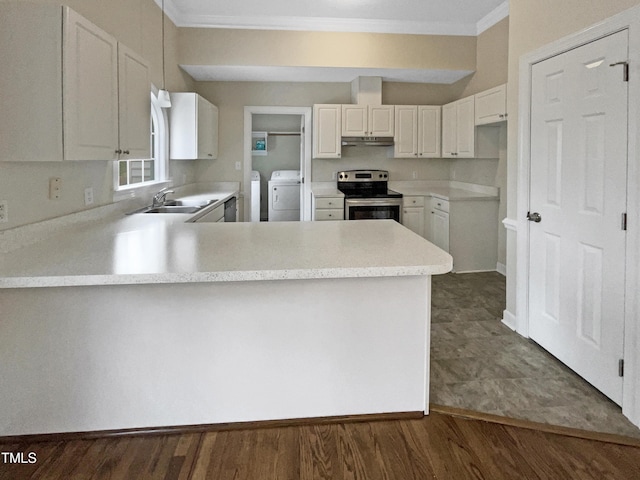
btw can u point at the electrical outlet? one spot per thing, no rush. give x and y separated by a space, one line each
238 166
4 213
88 196
414 175
55 188
333 175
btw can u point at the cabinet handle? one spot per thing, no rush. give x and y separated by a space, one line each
210 154
125 152
118 151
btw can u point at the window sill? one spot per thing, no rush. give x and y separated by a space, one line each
139 190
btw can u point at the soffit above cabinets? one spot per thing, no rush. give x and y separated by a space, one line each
426 17
243 73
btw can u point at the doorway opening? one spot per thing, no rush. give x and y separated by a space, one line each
277 161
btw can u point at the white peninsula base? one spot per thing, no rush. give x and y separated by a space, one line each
86 358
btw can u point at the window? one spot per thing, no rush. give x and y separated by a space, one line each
138 172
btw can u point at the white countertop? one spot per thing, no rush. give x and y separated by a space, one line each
325 189
444 189
154 248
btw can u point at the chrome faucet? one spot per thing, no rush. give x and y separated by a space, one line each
160 197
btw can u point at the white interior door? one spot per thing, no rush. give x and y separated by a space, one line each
578 189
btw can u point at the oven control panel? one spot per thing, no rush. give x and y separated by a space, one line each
363 176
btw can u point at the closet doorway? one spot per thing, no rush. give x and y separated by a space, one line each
277 139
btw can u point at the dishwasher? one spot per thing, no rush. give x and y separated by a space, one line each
230 210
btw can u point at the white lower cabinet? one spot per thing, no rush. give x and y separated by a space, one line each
413 214
440 223
215 215
468 230
328 208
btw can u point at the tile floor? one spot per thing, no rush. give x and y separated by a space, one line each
479 364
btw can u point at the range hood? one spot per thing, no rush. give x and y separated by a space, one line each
367 91
367 141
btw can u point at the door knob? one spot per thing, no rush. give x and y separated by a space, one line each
534 217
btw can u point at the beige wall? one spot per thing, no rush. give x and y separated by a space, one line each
207 46
492 59
137 24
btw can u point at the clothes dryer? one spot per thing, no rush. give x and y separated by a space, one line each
284 196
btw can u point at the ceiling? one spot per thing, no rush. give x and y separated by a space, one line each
425 17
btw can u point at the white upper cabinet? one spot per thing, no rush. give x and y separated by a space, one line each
458 128
367 120
327 130
418 131
354 120
381 120
491 106
90 80
405 142
61 88
134 105
429 131
193 127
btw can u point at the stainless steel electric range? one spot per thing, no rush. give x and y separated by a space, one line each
366 195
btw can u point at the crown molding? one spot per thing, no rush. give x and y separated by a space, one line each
318 24
326 24
493 17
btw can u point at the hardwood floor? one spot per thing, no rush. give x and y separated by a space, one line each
439 446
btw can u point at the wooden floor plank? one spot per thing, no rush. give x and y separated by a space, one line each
438 446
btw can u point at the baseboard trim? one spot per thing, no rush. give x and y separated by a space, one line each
211 427
501 268
541 427
509 319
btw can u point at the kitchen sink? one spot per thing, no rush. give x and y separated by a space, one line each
189 203
173 209
177 206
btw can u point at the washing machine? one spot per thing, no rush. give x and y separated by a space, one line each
255 196
284 196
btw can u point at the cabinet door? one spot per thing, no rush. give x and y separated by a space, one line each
429 131
134 105
491 106
413 219
440 229
90 90
465 127
381 120
449 130
206 119
405 143
327 129
354 121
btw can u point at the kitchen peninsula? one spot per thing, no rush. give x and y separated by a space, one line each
148 321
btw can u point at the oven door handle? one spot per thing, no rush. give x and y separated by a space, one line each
367 202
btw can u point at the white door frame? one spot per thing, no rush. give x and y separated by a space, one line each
305 112
629 20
